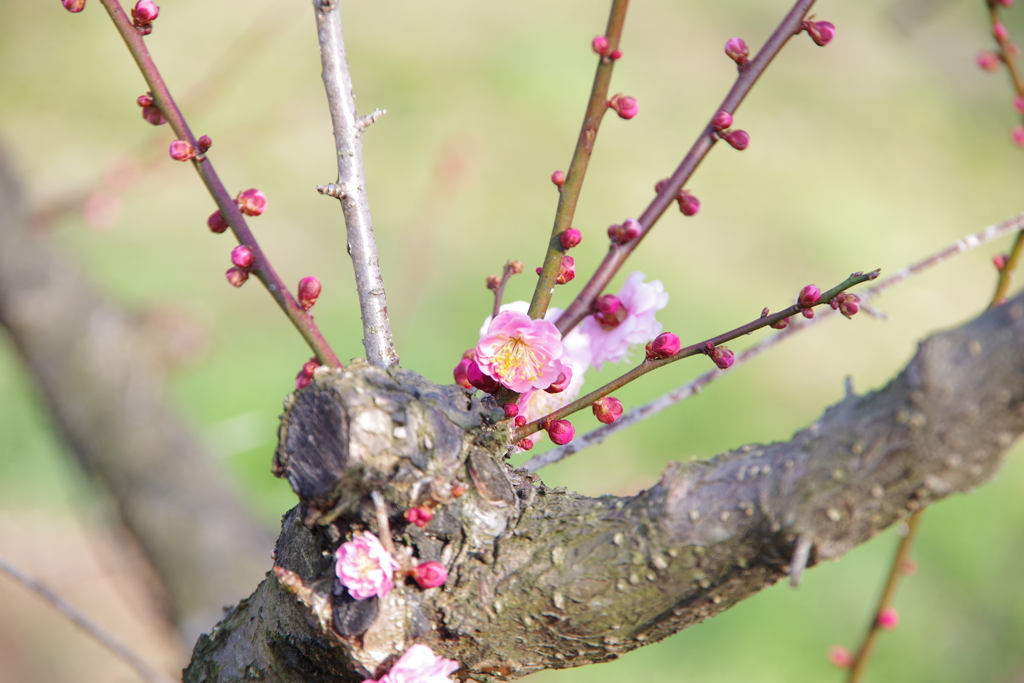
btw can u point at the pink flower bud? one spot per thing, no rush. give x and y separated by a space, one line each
558 178
242 256
631 229
607 409
1018 135
145 100
600 45
738 139
888 618
559 385
182 150
737 50
216 222
609 311
74 6
566 270
660 185
570 238
807 313
520 421
625 107
688 204
999 261
821 32
999 32
251 202
988 61
809 296
615 54
420 516
524 444
144 12
721 121
560 431
481 381
665 345
204 143
1005 3
781 325
237 276
840 656
460 374
309 290
723 357
153 115
847 304
1018 104
511 409
430 574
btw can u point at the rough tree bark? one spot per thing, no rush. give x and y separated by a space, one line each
543 578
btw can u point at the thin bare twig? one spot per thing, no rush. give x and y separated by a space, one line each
351 186
695 386
82 621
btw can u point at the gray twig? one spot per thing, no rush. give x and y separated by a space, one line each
351 186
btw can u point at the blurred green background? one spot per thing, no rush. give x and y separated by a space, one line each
872 152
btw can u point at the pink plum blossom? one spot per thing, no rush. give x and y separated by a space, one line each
519 352
641 300
365 567
419 664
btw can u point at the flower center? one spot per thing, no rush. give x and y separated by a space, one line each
516 357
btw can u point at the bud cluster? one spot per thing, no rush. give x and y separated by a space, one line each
846 303
689 205
150 112
602 46
627 232
243 258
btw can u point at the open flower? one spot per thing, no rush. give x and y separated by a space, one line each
520 352
641 300
365 567
419 664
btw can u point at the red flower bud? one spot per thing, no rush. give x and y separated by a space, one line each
665 345
738 139
781 325
216 222
821 32
600 45
609 311
520 421
204 143
305 375
566 270
242 256
511 409
524 444
688 204
737 50
460 373
848 304
559 385
570 238
74 6
722 357
478 379
237 276
153 115
309 290
145 100
809 296
625 107
420 516
430 574
607 409
144 12
560 431
181 150
558 178
615 54
251 202
721 121
988 61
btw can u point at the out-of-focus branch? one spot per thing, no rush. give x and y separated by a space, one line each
351 186
102 383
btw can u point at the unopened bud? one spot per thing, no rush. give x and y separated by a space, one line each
607 409
145 100
430 574
688 204
988 61
242 256
1017 134
1005 3
481 381
660 185
558 178
237 276
665 345
74 6
216 222
738 139
840 656
251 202
631 229
204 143
737 50
511 410
821 32
781 325
721 121
600 45
722 357
560 384
309 290
460 373
144 13
1018 104
625 107
807 313
999 32
493 282
515 267
615 54
888 618
305 375
570 238
524 444
566 270
153 115
420 516
999 261
182 150
520 421
847 304
809 296
609 311
560 431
